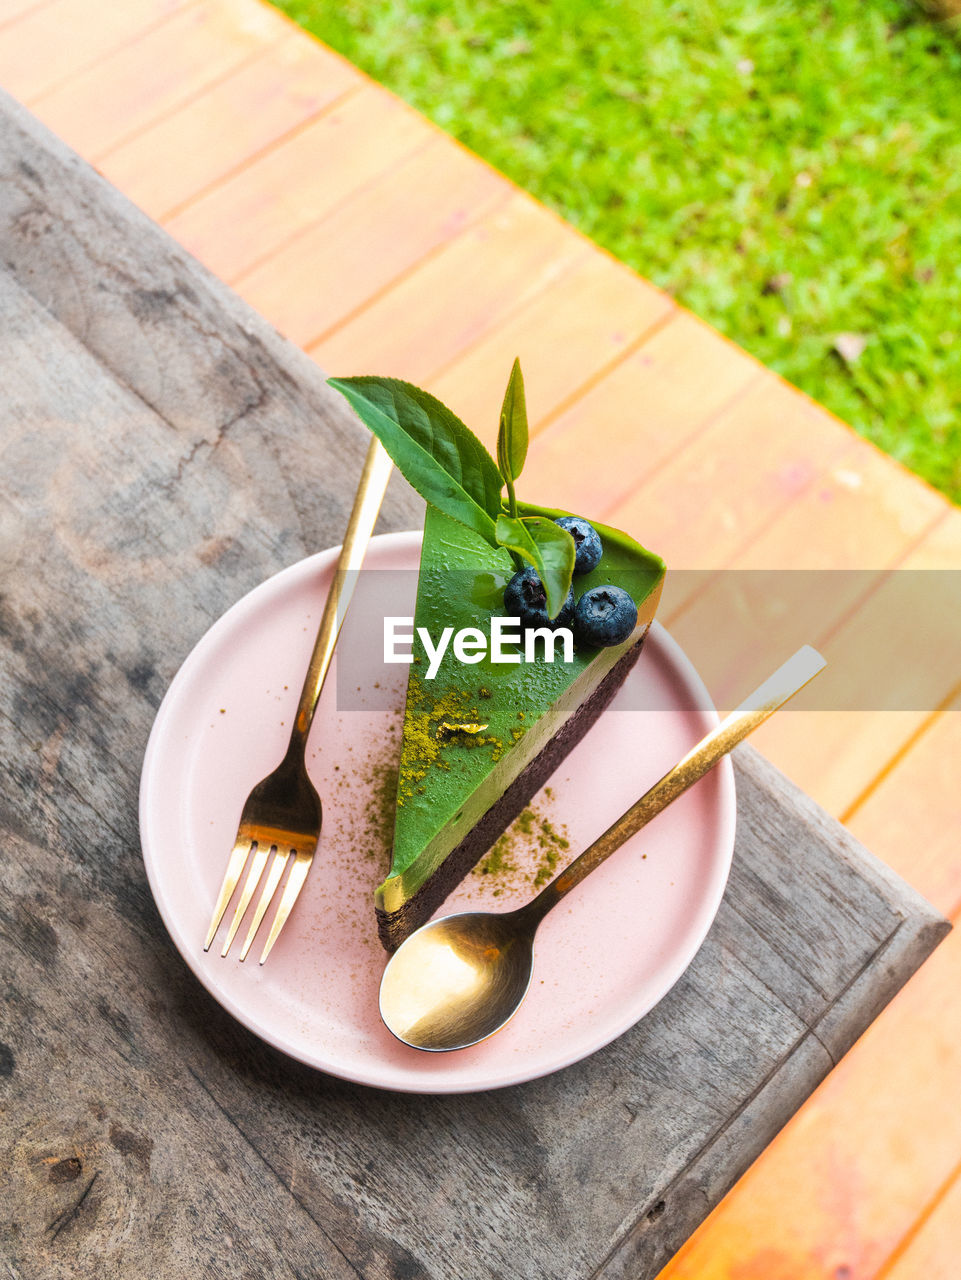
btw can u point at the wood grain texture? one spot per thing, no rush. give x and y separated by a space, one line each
931 1251
911 650
852 1181
863 515
865 512
457 296
913 813
369 243
165 451
704 504
12 10
851 1174
296 184
35 58
567 336
139 83
164 166
644 410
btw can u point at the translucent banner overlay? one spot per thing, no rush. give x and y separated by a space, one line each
892 639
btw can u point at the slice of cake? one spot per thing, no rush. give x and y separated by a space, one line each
487 723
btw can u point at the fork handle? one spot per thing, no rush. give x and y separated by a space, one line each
363 517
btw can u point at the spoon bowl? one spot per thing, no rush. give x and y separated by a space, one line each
457 980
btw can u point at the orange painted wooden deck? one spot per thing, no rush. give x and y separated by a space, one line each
378 244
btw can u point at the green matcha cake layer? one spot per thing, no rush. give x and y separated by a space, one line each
473 729
393 927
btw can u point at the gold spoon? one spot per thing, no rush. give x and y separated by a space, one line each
457 980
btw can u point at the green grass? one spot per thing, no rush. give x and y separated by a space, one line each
789 171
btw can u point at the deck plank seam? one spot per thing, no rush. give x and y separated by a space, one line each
882 577
25 13
931 1207
953 919
690 440
125 43
262 52
502 198
270 1167
758 534
846 618
943 708
809 1032
919 1223
450 364
233 280
258 154
882 948
587 386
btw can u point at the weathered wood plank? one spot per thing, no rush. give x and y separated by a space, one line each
165 451
182 342
116 1159
849 1177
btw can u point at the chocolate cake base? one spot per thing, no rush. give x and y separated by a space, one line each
394 926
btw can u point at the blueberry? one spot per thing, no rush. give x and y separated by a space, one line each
588 548
604 616
525 598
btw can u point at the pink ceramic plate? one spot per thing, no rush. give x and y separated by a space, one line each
602 960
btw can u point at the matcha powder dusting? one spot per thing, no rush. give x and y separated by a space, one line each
527 855
380 815
435 723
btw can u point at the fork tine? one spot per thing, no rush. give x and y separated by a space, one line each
295 882
257 864
231 879
270 888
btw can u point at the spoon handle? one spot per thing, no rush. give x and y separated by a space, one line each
788 680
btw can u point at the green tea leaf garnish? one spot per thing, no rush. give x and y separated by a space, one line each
512 435
440 457
545 545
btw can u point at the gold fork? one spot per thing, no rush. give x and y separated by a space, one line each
283 814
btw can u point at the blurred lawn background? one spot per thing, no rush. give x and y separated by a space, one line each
789 171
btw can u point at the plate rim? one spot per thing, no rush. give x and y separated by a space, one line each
516 1074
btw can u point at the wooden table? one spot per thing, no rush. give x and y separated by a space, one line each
147 413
